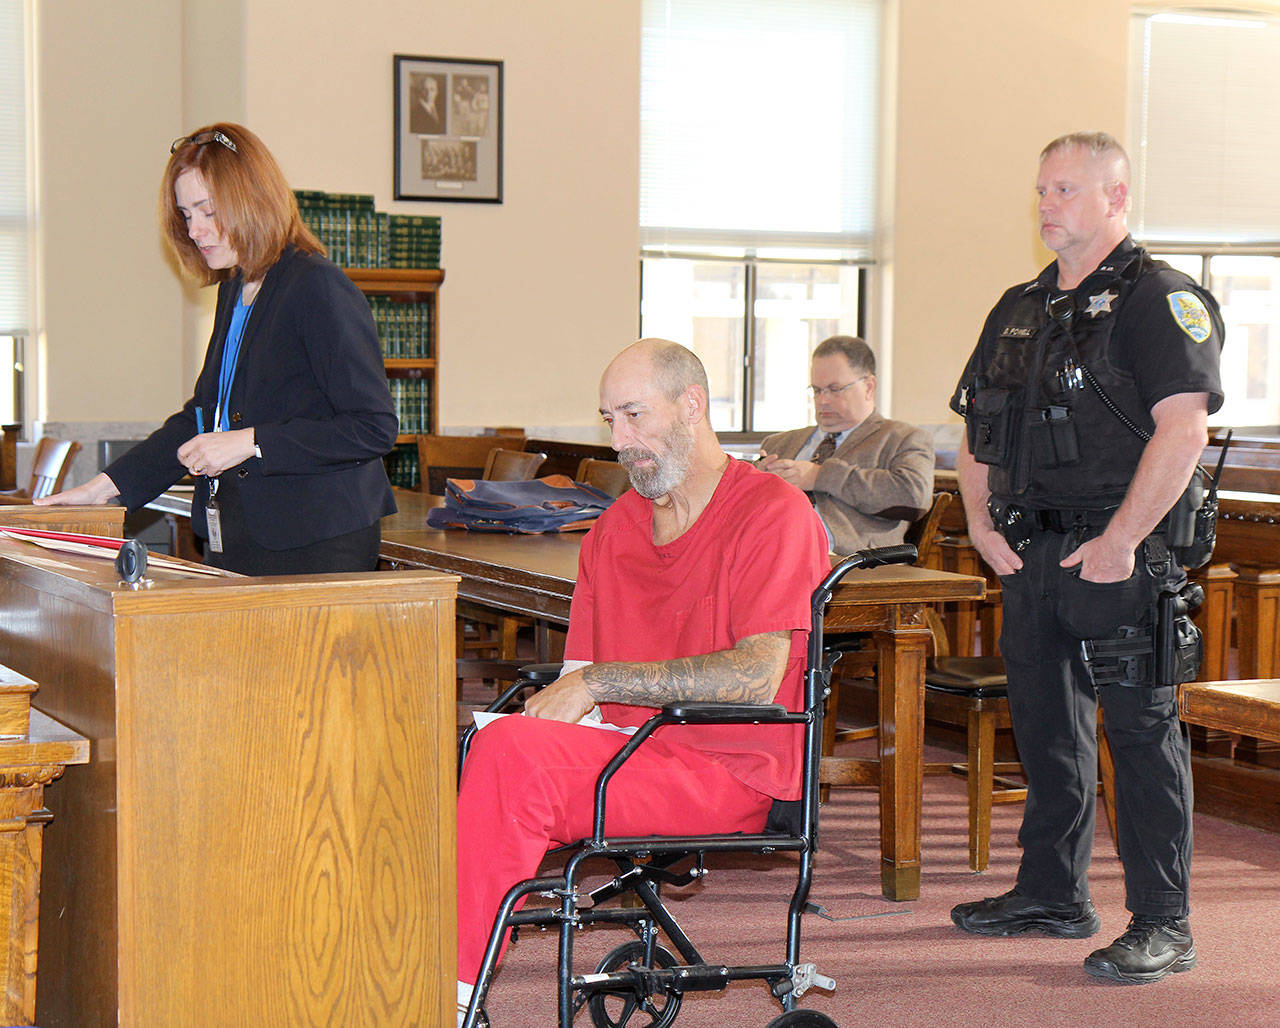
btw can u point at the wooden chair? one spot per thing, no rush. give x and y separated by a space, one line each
483 632
861 663
49 469
564 456
9 456
972 693
512 465
441 457
964 692
606 475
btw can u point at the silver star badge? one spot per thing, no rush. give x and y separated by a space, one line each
1101 304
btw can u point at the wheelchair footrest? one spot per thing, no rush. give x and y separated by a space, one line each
650 981
806 977
653 980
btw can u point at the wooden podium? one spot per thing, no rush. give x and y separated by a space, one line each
264 833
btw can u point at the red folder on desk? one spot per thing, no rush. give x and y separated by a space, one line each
104 546
109 545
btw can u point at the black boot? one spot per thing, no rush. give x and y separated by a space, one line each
1150 948
1013 914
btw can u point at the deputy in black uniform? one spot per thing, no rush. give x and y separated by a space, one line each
1085 404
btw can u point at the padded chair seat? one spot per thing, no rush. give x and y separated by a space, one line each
978 677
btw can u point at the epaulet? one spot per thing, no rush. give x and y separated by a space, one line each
1128 267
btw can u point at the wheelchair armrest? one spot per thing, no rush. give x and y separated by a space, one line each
699 712
532 678
691 712
540 674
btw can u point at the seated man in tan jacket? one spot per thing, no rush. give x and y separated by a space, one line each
869 477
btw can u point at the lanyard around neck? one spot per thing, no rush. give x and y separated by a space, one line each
230 358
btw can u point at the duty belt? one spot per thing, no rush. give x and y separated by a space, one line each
1018 524
1063 521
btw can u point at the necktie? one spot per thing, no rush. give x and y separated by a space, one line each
825 448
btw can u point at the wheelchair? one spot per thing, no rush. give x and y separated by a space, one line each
642 983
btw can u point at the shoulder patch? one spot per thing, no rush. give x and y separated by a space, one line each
1190 314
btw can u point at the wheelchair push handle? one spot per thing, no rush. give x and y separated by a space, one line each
904 553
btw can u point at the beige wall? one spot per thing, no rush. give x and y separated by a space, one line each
541 289
108 308
982 86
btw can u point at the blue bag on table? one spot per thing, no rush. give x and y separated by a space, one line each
553 504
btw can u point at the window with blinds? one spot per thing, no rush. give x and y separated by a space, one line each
1205 146
13 169
759 146
1203 132
759 123
14 280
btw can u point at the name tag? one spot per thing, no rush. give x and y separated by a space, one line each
214 521
1016 332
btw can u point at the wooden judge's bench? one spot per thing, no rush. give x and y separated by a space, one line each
264 832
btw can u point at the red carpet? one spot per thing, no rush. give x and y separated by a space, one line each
907 965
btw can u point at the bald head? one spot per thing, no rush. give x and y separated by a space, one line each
670 367
653 397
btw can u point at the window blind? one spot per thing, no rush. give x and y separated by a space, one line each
1204 137
13 169
759 124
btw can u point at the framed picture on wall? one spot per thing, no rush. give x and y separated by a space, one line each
448 129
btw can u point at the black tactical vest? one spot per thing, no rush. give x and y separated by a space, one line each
1034 417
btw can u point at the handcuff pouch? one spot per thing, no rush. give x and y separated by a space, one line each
1053 438
991 422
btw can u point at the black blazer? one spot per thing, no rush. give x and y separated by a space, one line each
311 383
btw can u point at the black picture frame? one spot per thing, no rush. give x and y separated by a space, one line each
448 129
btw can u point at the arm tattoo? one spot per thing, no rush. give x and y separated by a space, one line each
749 673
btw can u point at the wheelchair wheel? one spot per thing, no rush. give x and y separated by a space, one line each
802 1019
626 1006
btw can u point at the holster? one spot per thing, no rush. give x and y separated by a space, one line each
1169 654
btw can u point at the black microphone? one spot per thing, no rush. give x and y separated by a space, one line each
131 561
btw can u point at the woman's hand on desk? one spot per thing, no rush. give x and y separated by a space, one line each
98 490
211 453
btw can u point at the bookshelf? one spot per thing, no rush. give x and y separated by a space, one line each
406 306
394 260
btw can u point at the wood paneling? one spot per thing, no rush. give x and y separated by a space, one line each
28 763
265 833
105 520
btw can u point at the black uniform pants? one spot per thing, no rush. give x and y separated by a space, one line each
1047 612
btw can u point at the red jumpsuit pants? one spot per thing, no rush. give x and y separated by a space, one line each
529 785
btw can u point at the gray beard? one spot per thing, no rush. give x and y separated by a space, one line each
667 472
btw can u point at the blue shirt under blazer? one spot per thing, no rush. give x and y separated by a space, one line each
310 381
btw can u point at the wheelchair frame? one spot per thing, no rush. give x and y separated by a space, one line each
645 863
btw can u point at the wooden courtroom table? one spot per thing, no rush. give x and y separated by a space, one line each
1249 538
105 520
535 575
264 833
1248 707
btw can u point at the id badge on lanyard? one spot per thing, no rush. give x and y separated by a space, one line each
213 517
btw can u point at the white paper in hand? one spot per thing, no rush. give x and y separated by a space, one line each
483 718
